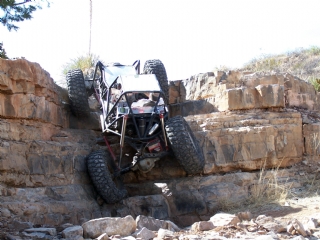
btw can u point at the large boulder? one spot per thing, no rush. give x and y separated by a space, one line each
28 92
235 90
241 141
111 226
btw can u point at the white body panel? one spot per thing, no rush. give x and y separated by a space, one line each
142 83
112 72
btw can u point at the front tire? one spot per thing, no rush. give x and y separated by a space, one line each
184 145
98 164
157 68
77 93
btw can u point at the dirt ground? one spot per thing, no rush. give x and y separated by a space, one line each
300 208
301 204
295 208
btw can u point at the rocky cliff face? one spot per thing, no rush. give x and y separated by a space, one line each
41 160
242 120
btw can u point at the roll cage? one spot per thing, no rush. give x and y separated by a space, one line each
118 87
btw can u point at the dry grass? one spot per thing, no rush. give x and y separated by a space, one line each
313 185
268 188
265 191
313 50
227 205
311 181
315 143
266 63
303 63
221 68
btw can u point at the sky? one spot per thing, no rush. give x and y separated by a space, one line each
188 36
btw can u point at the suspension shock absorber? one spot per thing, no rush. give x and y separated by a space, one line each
123 133
163 130
142 126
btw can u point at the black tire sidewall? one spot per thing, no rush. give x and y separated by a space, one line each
77 93
156 67
184 145
101 177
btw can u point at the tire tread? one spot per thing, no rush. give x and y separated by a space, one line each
97 163
186 150
155 66
77 93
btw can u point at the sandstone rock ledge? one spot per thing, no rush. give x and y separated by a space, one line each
243 121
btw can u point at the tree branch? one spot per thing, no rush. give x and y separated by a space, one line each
22 2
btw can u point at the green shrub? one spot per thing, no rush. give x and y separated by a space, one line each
3 53
81 62
315 83
314 50
84 62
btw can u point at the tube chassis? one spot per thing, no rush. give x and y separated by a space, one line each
140 127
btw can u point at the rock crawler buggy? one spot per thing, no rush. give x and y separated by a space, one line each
134 107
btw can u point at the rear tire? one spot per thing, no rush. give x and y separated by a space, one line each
77 93
98 164
156 67
184 145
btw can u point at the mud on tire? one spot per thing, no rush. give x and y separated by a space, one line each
77 93
184 145
156 67
98 164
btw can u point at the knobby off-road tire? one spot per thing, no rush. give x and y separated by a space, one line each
156 67
98 164
77 93
184 145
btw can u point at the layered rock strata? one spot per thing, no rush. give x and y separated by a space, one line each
244 122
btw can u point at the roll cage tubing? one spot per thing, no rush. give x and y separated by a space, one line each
103 92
